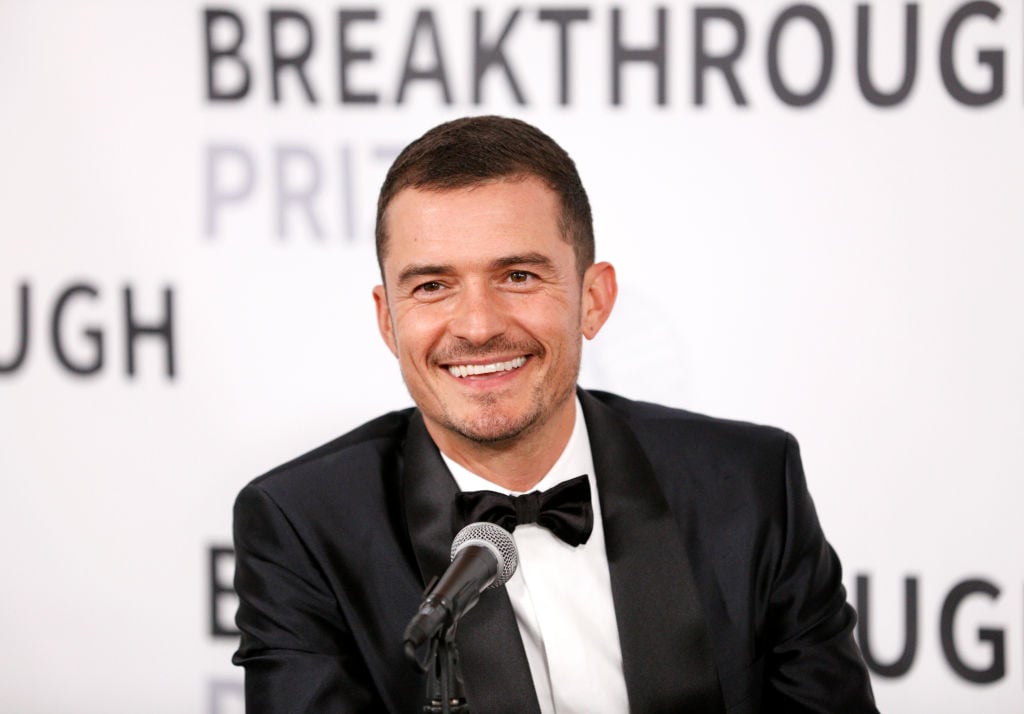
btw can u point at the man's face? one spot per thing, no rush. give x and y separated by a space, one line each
484 308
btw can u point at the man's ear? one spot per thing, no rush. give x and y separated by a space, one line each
384 323
599 291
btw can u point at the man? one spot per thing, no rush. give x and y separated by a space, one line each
702 582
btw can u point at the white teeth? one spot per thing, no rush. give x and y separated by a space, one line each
465 370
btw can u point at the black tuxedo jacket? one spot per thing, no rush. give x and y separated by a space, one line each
727 596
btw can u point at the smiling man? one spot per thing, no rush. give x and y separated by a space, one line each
699 579
485 307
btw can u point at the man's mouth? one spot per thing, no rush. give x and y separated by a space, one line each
469 370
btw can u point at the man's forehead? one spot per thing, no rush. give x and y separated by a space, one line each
489 219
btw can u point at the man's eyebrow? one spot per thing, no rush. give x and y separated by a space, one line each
414 271
418 271
535 259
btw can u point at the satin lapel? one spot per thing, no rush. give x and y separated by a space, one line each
666 652
494 665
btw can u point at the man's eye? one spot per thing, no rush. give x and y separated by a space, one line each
519 276
432 287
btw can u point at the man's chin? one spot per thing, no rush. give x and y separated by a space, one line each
492 430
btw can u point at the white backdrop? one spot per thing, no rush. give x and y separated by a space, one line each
849 272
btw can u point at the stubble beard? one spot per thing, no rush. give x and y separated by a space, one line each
490 426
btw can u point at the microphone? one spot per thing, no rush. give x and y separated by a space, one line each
483 556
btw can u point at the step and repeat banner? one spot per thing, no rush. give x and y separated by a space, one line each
816 211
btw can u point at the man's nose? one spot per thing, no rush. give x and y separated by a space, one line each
480 314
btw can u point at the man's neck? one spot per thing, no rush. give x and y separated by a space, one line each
516 464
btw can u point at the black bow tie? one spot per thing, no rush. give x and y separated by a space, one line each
564 510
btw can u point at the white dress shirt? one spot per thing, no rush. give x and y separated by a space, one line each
562 598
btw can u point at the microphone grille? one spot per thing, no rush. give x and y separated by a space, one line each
500 543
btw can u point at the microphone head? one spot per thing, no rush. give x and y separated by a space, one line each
497 540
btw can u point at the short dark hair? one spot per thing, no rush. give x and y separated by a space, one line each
475 150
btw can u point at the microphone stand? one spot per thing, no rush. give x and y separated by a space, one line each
446 693
480 553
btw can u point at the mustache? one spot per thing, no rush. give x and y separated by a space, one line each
498 346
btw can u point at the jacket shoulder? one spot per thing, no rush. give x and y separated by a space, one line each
687 428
